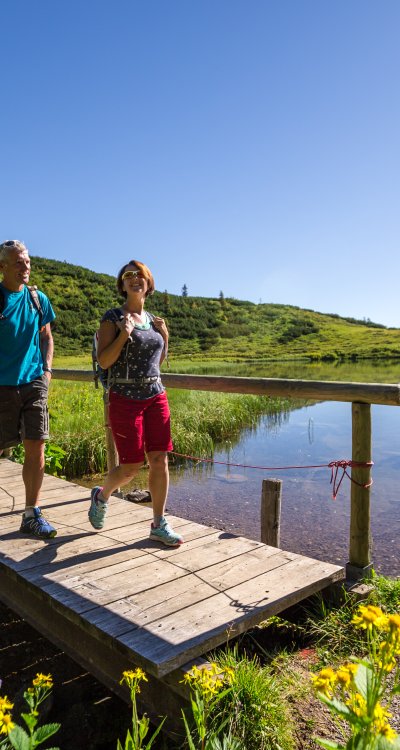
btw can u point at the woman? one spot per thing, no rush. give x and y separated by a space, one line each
131 346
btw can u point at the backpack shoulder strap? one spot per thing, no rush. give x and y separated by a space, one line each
36 301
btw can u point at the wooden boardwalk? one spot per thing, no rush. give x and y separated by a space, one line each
114 599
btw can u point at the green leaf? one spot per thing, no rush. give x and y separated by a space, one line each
383 744
143 726
364 679
154 735
328 744
129 744
44 732
30 720
337 706
191 744
19 738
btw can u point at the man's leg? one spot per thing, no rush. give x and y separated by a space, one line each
33 471
35 430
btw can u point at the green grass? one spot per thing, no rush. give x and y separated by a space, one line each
199 420
330 626
259 715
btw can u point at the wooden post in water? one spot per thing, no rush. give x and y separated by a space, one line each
359 565
271 498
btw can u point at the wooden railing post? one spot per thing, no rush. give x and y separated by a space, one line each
359 565
112 455
271 498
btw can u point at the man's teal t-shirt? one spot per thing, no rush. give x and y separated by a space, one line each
20 355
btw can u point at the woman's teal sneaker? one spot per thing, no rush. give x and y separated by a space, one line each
98 509
163 533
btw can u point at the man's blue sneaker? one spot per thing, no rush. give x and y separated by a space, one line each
98 509
163 533
37 525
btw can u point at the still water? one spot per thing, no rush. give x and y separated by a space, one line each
312 522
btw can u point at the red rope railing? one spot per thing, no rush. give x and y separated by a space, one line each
335 467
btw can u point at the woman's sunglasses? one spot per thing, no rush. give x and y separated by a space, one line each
132 275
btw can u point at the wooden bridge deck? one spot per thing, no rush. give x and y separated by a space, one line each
113 599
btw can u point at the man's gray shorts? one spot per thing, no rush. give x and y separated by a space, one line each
23 412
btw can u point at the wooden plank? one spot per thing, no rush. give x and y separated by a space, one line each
245 568
82 595
171 639
214 551
25 553
139 609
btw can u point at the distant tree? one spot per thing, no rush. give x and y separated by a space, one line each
166 303
222 299
184 291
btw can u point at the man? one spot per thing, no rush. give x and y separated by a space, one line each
26 355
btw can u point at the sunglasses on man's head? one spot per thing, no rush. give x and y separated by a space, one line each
10 243
131 275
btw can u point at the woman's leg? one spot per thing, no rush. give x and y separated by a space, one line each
158 482
160 531
118 477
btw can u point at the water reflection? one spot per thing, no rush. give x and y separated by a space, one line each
312 523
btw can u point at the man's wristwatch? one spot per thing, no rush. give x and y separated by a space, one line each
48 369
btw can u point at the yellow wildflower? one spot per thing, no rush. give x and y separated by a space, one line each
357 704
324 681
132 677
388 732
394 632
229 674
208 680
345 674
394 622
379 722
6 723
370 617
43 680
5 704
387 661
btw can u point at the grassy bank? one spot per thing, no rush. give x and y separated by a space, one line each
200 421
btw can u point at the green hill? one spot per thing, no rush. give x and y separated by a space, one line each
206 328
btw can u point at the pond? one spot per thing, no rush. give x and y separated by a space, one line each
312 522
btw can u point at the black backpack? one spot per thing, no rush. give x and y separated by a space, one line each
35 300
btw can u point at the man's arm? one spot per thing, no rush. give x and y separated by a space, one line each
47 348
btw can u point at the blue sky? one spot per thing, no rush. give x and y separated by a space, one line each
248 146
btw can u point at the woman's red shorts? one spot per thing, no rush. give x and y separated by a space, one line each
139 425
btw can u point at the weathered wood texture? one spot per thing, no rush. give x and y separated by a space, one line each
271 500
368 393
360 534
127 597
